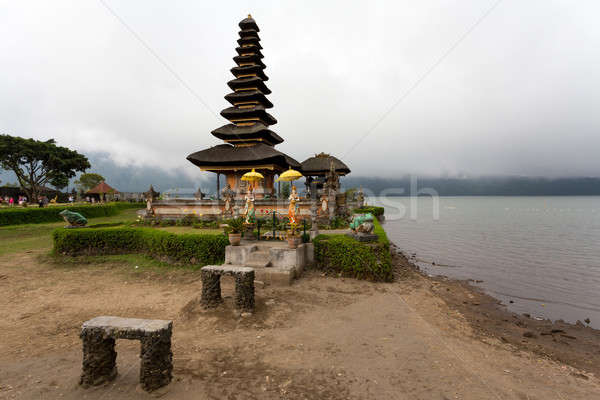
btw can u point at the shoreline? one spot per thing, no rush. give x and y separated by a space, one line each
574 344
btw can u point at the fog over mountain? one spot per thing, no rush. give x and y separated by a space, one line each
131 178
438 88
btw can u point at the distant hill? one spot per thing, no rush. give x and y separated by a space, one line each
138 179
133 178
484 186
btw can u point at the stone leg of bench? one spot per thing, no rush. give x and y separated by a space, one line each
244 291
211 288
99 358
157 360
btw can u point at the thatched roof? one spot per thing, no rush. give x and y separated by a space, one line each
253 111
258 130
250 82
320 164
250 40
248 23
225 155
250 69
248 95
102 188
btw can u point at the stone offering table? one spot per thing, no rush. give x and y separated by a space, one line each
244 286
99 355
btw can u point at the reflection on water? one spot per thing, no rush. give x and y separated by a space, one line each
543 253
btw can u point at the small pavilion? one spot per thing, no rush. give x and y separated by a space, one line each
317 168
249 143
100 191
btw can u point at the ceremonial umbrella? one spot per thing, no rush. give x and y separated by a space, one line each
252 176
289 175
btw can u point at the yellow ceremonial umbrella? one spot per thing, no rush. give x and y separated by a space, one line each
252 176
289 175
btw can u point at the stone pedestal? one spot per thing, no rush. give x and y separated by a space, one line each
156 364
249 232
99 356
244 291
244 286
211 288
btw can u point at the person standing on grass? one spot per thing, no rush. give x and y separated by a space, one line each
11 201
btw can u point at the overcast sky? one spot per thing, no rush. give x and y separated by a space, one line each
433 87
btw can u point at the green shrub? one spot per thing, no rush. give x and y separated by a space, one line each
362 260
380 232
376 211
36 215
305 238
186 249
235 225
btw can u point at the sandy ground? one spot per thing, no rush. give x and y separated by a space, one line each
322 338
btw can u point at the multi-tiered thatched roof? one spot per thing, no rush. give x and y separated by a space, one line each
249 140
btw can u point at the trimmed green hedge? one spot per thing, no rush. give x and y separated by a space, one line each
345 255
188 248
36 215
376 211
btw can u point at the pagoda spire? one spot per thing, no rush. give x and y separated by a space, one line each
248 116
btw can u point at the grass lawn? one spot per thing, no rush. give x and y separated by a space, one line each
28 237
18 238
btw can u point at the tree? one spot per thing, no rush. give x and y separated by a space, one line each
88 181
37 163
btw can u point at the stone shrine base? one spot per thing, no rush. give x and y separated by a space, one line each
274 263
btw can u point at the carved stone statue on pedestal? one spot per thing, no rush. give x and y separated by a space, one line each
228 196
360 198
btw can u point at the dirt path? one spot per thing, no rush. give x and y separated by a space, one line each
322 338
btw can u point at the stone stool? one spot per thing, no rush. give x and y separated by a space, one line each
244 285
99 355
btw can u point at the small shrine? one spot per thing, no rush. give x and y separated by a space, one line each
249 143
319 169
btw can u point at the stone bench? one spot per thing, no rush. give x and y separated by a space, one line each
244 286
99 355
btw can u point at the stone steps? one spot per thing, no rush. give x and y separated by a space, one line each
274 263
258 259
258 264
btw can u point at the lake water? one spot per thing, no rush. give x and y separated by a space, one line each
543 253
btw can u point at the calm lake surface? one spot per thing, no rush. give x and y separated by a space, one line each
543 253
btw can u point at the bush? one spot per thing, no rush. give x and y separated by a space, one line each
187 249
305 238
362 260
36 215
376 211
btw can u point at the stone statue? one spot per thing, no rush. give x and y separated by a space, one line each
360 197
292 209
362 228
324 209
228 197
249 211
75 220
362 223
149 206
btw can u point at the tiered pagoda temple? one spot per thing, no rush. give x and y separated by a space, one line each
249 143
